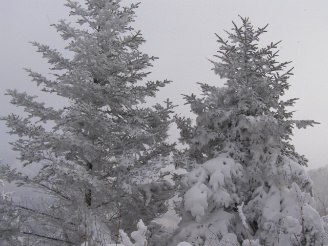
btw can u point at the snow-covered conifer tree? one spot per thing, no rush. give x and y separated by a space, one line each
320 183
99 153
9 225
249 186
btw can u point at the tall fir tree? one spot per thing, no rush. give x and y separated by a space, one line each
252 188
100 153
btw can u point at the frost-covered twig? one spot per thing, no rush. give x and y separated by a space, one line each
242 215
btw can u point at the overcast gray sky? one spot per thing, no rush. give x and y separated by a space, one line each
181 34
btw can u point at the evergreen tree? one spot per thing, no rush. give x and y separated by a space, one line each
100 154
251 188
320 182
9 225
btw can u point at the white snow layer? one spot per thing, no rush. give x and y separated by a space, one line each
217 171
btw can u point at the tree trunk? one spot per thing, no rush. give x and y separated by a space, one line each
88 193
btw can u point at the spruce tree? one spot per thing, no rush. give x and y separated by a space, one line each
101 152
247 184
